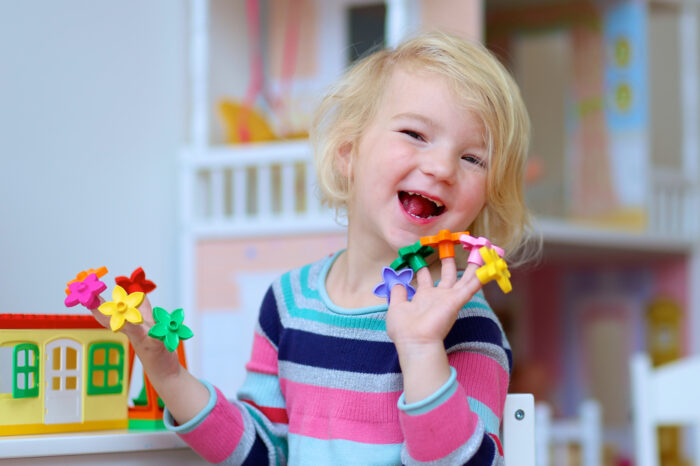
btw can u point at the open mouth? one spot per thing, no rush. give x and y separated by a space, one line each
420 206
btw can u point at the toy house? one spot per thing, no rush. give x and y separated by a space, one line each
61 373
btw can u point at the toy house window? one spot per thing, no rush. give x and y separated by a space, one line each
105 368
366 29
25 371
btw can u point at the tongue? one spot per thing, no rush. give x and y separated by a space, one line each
418 205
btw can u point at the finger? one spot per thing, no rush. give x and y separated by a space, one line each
448 275
423 278
146 309
398 294
469 273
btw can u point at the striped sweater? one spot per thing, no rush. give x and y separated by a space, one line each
324 386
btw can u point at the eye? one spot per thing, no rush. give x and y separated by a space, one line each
474 160
413 134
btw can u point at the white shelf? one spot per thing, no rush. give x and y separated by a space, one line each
85 443
563 233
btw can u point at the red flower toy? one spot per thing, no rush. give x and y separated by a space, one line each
137 282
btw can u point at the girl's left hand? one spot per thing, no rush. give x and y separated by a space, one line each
425 321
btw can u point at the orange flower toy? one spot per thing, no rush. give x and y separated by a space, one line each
444 241
123 308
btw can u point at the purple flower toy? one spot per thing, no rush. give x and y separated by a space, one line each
391 278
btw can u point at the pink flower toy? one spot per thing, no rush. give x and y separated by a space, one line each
474 244
86 292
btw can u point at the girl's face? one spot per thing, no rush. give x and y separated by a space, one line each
420 166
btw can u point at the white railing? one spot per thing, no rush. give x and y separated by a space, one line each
270 188
255 189
674 210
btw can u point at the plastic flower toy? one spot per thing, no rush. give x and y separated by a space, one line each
391 278
101 272
123 308
445 242
86 292
169 327
137 282
412 256
474 244
495 269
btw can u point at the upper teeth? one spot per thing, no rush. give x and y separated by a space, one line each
437 203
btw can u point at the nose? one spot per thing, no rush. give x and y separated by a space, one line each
440 164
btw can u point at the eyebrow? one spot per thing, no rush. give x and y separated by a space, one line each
416 116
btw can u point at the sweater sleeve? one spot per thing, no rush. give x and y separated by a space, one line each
251 430
459 424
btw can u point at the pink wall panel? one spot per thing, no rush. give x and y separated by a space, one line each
219 260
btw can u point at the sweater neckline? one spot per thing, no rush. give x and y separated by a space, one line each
321 286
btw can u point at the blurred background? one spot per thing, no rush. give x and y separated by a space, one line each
171 135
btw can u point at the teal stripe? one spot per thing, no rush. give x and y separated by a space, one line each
317 451
278 442
343 320
433 401
322 317
263 389
490 420
193 423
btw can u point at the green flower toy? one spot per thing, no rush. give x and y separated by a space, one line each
412 256
169 327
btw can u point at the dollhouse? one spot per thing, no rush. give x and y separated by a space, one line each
611 251
61 373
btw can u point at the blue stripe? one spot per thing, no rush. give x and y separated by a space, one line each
474 329
269 319
258 454
262 389
346 354
485 454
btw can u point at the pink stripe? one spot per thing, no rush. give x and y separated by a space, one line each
490 387
218 435
441 430
264 356
330 413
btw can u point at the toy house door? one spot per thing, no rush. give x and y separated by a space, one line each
63 382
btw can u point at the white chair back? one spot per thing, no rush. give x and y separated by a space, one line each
666 395
519 430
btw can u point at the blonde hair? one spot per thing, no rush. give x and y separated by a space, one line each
481 83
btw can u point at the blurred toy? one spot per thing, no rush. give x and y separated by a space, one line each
169 327
474 244
137 282
101 272
85 292
123 308
60 373
391 278
495 268
445 242
243 124
412 256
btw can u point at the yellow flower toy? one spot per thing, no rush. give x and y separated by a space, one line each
123 309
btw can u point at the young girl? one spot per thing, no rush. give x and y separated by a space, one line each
430 136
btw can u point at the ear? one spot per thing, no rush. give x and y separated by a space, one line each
343 160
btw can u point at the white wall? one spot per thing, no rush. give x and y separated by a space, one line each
92 116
